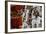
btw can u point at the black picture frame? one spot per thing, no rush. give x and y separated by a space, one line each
6 16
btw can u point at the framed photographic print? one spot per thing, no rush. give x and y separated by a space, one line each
23 16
